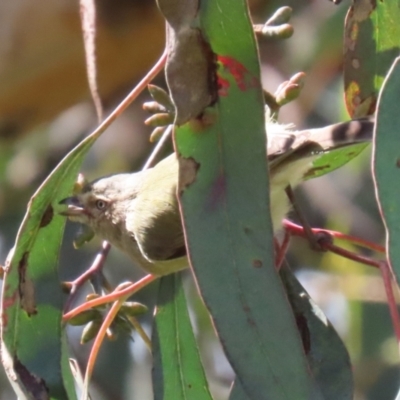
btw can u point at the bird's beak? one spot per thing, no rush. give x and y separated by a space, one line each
74 209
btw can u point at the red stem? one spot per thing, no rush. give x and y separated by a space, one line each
297 230
394 314
117 294
281 250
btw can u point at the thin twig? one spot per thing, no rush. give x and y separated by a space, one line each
281 250
96 266
157 148
350 255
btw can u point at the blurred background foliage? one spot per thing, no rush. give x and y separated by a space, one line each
45 109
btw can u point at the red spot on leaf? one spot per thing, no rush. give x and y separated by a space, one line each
223 86
217 192
7 302
242 76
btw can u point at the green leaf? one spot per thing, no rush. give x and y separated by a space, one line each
335 159
386 162
177 372
225 205
372 41
33 341
326 353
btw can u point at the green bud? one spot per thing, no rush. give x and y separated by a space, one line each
92 296
153 107
90 330
162 97
277 26
84 317
280 16
290 90
123 285
299 78
160 119
284 31
133 308
157 133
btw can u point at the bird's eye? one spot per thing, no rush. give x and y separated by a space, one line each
101 204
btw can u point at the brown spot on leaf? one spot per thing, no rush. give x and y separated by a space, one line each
26 288
188 168
249 318
398 163
33 384
246 309
257 263
363 9
205 120
315 170
47 216
191 62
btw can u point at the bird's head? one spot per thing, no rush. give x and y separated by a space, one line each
103 201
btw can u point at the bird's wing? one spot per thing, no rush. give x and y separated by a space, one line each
324 139
155 219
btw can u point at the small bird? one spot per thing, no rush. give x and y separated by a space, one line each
138 212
